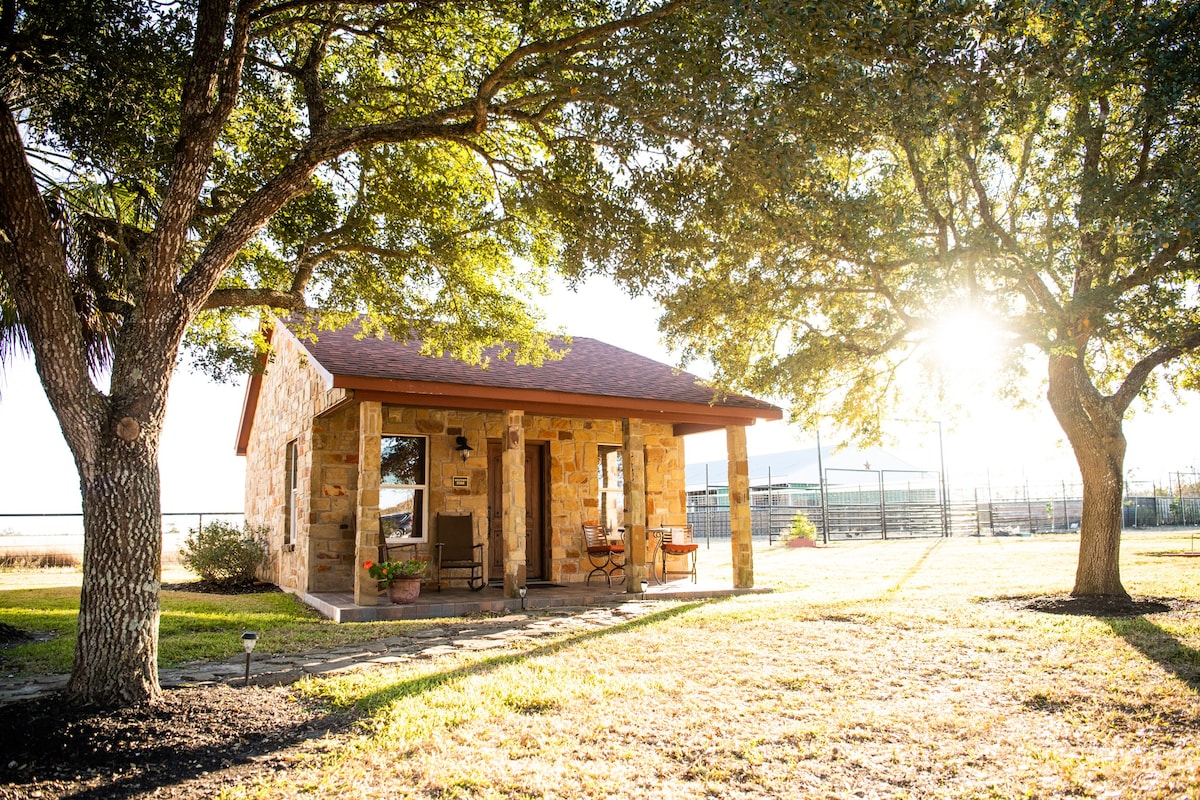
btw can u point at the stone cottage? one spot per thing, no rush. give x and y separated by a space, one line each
352 440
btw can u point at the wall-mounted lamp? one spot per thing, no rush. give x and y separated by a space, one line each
460 445
249 639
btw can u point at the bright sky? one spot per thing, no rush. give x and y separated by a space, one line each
201 473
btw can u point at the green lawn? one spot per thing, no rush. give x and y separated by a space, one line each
194 626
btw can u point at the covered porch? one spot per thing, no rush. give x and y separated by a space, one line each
622 504
461 602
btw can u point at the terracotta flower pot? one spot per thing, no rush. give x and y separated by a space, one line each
801 541
404 589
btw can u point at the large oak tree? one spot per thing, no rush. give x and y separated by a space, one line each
166 165
1033 163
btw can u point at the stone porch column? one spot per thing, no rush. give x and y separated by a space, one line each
634 466
739 507
512 461
366 513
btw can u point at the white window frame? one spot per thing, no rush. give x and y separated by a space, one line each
421 488
291 512
610 494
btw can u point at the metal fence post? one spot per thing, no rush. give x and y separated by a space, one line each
882 508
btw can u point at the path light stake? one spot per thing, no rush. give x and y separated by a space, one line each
522 592
249 639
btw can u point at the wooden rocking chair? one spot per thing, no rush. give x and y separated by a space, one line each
456 549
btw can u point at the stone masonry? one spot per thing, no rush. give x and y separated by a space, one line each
338 452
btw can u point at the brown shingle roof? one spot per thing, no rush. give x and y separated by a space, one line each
593 379
590 367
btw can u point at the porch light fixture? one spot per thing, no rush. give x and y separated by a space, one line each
249 639
460 445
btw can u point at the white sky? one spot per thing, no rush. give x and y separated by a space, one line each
200 472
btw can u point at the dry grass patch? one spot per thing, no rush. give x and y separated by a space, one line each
875 670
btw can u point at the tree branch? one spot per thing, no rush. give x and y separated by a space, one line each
1140 372
310 79
34 267
1032 279
495 79
243 298
922 188
1161 264
455 122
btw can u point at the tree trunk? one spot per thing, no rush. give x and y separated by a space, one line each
1093 427
1098 571
116 652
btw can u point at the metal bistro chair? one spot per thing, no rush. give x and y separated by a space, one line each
602 553
677 541
456 549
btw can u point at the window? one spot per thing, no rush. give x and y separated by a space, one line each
291 493
611 481
403 487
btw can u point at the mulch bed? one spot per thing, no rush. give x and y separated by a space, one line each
222 587
1094 606
191 744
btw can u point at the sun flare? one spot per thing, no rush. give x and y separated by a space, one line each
966 340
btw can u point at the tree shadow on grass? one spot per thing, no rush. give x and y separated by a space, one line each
1160 646
916 567
389 694
209 737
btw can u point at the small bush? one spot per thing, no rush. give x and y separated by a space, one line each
223 553
802 528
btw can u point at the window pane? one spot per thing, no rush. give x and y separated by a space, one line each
402 461
612 510
401 513
611 475
611 480
290 492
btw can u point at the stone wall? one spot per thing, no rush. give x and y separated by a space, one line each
291 396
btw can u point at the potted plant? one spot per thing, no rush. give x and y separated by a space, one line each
402 579
802 534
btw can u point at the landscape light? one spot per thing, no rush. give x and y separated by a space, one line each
249 639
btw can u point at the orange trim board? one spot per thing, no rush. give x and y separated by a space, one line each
483 398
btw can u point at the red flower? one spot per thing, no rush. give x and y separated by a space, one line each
368 564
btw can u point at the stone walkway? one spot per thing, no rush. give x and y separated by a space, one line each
465 635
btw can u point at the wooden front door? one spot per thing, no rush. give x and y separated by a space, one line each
536 466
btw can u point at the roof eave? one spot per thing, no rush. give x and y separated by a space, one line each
690 417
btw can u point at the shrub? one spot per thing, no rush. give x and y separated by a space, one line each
802 528
223 553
